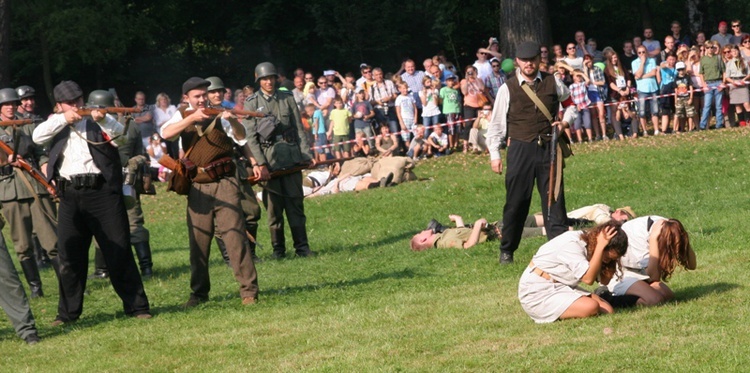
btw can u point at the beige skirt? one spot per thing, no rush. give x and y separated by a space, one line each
738 95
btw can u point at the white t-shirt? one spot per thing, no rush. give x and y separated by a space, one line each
563 258
638 233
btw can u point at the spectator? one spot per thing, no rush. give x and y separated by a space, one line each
726 53
572 59
652 45
580 97
737 74
737 33
413 78
544 53
451 108
492 50
700 38
722 37
558 51
155 149
144 119
472 90
325 95
693 70
163 111
745 49
438 142
436 73
239 98
361 148
479 129
363 114
493 82
680 39
669 48
581 48
711 72
619 81
595 53
406 111
596 96
482 64
338 132
383 96
430 97
298 92
683 100
667 74
227 101
637 42
645 70
319 130
387 143
309 78
418 147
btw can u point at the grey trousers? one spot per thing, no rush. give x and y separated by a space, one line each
12 296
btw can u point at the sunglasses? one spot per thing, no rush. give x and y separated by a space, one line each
495 65
544 51
736 26
366 72
641 52
571 48
745 41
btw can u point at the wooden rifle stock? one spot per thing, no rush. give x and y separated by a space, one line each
109 110
275 174
18 122
22 164
216 111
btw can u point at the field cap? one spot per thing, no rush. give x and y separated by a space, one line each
193 83
527 50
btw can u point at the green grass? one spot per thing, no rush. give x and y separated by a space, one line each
367 303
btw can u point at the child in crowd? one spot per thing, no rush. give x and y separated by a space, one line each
683 99
579 95
418 146
479 129
451 108
318 124
339 129
406 111
363 113
438 142
430 97
387 143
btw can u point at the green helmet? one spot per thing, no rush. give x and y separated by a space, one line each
25 91
263 70
101 98
8 95
216 83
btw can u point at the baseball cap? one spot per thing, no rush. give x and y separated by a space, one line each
67 90
193 83
680 65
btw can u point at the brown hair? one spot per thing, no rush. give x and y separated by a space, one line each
674 247
619 243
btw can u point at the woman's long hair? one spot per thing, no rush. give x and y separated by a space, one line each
619 243
674 247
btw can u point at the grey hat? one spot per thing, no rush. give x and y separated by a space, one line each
193 83
216 83
528 50
67 90
25 91
8 95
263 70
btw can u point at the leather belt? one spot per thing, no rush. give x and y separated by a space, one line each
540 273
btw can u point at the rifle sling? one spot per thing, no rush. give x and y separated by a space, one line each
555 189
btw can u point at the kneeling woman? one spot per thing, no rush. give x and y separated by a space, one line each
549 290
656 246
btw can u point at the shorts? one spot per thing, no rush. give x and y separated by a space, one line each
341 143
682 109
594 97
652 102
452 128
321 141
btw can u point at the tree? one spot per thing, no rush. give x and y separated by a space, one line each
523 20
4 43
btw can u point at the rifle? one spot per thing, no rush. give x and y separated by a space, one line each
22 164
278 173
18 122
215 111
109 110
551 195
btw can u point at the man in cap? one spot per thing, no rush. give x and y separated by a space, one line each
516 116
250 206
20 194
214 202
85 165
275 142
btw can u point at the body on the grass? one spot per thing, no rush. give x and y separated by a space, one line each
460 237
656 246
549 287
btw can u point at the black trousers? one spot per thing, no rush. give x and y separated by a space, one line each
528 162
99 213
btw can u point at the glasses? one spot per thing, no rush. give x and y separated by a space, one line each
470 73
493 65
733 26
367 72
323 82
641 52
569 48
746 41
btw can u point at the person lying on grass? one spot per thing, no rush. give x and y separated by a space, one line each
548 289
656 246
460 237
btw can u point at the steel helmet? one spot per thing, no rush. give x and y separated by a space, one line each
216 83
263 70
25 91
101 98
8 95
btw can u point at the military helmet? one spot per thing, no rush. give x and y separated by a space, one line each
8 95
25 91
101 98
216 83
263 70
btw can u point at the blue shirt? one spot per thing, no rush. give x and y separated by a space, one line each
318 115
667 75
645 85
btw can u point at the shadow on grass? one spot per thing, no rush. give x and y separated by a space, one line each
369 244
700 291
406 273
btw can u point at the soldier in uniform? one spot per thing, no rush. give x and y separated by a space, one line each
28 103
275 142
250 206
13 298
86 167
214 195
132 160
20 194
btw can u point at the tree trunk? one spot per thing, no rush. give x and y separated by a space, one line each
523 20
4 43
46 69
695 16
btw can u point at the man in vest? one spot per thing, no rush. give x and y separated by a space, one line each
275 142
85 165
214 196
529 142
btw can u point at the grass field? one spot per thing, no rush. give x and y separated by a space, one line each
367 303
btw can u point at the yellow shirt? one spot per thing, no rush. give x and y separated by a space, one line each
340 120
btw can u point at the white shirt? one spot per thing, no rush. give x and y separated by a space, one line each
563 258
484 69
638 232
161 116
178 117
76 157
498 124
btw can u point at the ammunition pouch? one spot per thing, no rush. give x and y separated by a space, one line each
215 170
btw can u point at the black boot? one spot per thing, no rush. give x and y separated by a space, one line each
100 266
435 226
301 248
31 271
278 243
42 260
223 250
143 252
253 231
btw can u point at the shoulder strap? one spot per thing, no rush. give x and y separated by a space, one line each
537 102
